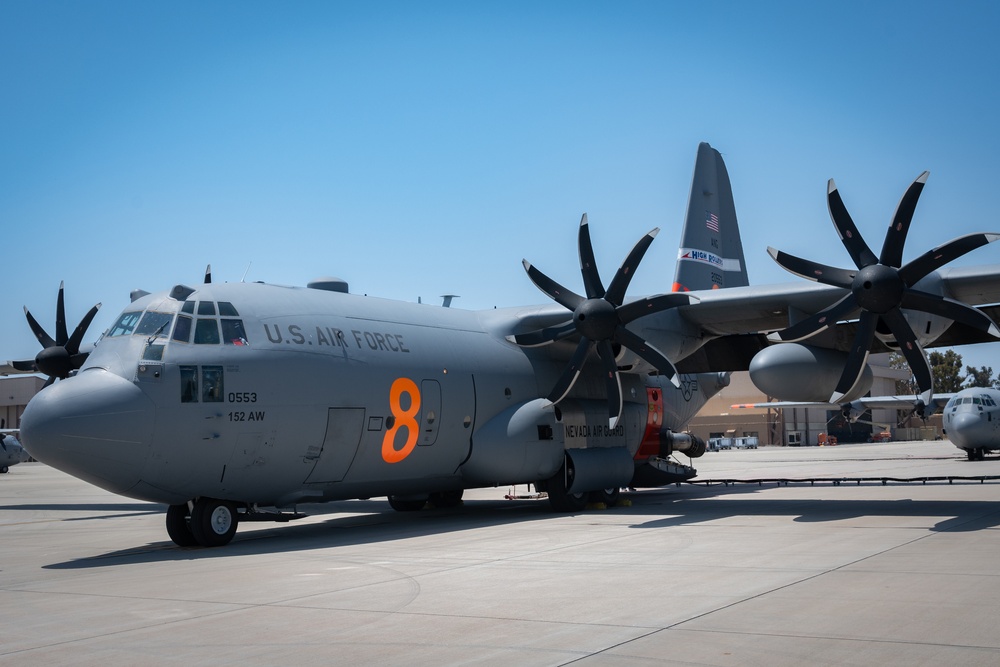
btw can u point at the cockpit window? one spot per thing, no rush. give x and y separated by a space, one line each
206 308
227 309
206 332
125 324
233 333
182 330
188 307
153 323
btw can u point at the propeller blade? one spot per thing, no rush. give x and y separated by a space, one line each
555 291
895 237
858 357
821 273
592 284
951 309
61 335
620 283
208 274
938 257
612 381
27 365
911 349
652 304
73 344
571 372
36 328
544 336
849 234
822 320
650 354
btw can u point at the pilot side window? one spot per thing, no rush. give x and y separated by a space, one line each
125 324
227 309
206 332
189 384
212 390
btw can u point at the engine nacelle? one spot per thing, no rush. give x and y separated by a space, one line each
797 372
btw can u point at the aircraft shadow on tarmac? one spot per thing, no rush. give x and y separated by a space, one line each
371 521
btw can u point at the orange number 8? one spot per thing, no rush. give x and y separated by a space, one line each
402 418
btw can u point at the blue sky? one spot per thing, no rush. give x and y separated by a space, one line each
422 148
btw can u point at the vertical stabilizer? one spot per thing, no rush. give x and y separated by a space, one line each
711 252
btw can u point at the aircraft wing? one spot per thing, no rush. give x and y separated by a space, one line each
740 317
857 406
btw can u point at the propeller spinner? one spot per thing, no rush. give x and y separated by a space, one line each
60 356
882 286
600 318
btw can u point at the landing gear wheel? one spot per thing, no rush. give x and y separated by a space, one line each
407 503
179 526
607 496
560 499
442 499
3 469
213 522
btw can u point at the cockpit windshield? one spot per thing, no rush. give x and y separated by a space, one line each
154 323
125 324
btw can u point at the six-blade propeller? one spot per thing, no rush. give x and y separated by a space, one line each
881 287
60 355
599 318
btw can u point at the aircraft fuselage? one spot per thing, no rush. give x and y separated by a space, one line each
271 395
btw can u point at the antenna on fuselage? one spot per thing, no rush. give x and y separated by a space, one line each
244 278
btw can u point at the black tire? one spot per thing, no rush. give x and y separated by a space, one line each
560 499
609 497
213 522
179 526
444 499
3 469
407 504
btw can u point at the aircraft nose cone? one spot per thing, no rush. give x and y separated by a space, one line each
964 428
96 426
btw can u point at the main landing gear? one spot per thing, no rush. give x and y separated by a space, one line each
977 454
206 522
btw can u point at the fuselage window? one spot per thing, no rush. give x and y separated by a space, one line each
206 332
188 307
153 323
182 330
189 384
212 389
206 308
233 332
227 309
125 324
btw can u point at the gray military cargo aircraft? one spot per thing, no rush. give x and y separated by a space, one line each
11 451
229 402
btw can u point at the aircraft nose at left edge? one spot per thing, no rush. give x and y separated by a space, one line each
96 426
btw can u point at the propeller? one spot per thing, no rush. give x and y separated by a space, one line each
600 318
60 356
881 287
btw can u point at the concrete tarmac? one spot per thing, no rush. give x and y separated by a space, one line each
821 574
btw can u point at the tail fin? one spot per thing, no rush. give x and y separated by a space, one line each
711 252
